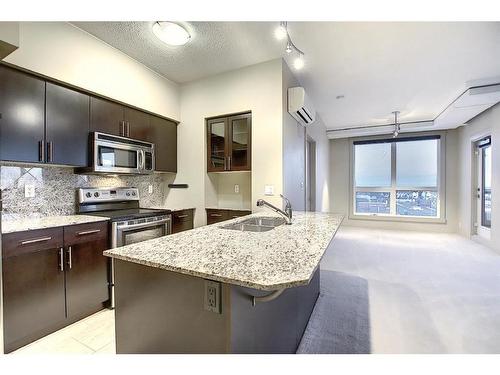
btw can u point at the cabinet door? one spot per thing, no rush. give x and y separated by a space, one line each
137 124
33 285
239 158
233 214
106 117
217 139
87 287
182 220
22 100
67 126
164 136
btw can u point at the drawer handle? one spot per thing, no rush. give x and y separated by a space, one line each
43 239
88 232
216 215
181 216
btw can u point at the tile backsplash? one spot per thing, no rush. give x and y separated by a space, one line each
55 189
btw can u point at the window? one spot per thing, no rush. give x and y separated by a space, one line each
485 189
397 177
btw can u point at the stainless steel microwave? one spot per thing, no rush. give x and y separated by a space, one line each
112 154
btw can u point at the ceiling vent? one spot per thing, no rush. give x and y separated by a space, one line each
300 106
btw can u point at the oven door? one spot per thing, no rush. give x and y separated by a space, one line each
128 234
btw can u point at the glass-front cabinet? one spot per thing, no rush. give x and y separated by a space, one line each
229 143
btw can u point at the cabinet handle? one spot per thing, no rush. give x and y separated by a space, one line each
229 162
43 239
61 259
128 129
41 153
122 128
88 232
181 216
50 151
70 260
216 215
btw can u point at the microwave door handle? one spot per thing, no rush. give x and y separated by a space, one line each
139 160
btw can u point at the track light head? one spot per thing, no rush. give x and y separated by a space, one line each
281 31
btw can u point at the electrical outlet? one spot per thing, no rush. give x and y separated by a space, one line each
236 188
269 190
212 296
150 189
29 190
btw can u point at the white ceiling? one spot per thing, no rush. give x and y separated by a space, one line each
416 68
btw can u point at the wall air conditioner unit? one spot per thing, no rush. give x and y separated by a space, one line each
300 106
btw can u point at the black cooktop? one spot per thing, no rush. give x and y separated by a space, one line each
129 214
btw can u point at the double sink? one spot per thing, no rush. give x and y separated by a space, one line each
256 224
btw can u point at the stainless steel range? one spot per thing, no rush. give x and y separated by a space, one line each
129 222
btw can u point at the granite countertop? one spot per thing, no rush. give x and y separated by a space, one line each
228 209
284 257
171 209
21 225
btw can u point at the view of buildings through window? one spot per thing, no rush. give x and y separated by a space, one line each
397 177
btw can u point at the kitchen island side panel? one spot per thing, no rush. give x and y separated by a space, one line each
160 311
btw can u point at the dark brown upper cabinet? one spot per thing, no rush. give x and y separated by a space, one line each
67 126
22 126
229 143
164 136
106 117
137 125
113 118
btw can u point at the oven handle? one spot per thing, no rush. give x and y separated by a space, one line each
126 228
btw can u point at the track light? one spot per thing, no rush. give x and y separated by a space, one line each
281 31
397 125
298 63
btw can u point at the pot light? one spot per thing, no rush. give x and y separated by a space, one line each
171 33
298 63
281 32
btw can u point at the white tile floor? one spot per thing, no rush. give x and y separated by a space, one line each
92 335
427 293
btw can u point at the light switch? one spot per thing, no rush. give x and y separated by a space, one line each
269 190
236 188
29 190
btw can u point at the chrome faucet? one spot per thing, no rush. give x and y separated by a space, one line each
288 208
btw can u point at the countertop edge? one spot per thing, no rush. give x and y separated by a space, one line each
95 219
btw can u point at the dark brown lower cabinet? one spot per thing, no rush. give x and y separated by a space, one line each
182 220
215 215
87 289
47 286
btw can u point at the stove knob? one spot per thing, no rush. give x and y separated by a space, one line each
88 195
133 193
96 194
128 194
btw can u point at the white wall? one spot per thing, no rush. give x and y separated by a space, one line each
66 53
256 88
340 189
293 148
488 123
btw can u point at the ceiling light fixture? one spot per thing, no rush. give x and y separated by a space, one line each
280 33
397 125
171 33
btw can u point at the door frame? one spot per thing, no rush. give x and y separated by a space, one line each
310 173
475 229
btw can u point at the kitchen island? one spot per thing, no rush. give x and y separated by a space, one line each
217 290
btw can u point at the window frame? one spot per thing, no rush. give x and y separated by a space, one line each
392 216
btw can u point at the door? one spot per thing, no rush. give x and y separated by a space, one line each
67 126
106 117
22 123
239 153
164 137
87 286
137 124
33 285
217 145
483 197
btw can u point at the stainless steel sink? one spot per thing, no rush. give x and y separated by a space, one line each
256 224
